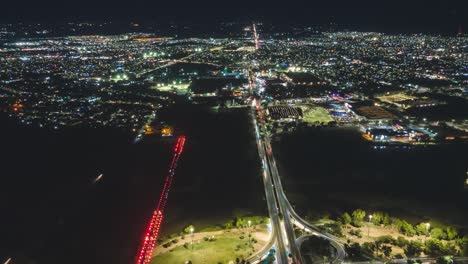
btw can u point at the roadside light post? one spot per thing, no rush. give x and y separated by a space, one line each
428 225
191 231
368 226
250 232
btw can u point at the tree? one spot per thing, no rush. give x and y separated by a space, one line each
444 260
387 250
435 247
386 220
346 219
369 247
334 229
377 218
406 228
414 248
168 244
357 233
463 244
438 233
188 229
239 222
421 229
387 239
401 242
353 250
452 233
395 222
450 248
358 215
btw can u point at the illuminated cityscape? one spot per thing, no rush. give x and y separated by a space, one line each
240 140
358 78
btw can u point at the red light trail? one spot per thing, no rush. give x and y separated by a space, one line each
152 231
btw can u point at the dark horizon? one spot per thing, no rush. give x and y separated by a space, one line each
388 16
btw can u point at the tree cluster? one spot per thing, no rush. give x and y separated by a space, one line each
357 219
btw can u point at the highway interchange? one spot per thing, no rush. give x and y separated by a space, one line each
282 215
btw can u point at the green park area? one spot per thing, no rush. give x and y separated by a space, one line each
180 88
379 236
236 240
315 114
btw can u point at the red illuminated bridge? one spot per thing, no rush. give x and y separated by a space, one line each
152 231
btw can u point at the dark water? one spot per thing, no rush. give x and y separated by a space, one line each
333 170
52 213
218 171
50 210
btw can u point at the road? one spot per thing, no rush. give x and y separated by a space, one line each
141 131
272 205
266 155
286 239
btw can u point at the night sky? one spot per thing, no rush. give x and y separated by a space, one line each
394 16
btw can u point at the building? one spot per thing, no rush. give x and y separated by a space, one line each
374 114
284 113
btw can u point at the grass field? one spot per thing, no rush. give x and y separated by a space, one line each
313 114
180 88
394 98
226 247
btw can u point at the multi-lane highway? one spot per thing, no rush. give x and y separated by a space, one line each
285 231
273 208
285 214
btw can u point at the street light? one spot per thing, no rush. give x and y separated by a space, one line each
250 232
428 225
368 226
191 231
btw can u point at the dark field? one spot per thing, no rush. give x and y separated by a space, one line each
331 170
211 85
52 213
218 171
455 108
